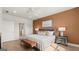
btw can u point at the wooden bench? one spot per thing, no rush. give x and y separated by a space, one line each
28 43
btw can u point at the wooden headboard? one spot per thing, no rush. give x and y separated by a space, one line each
46 29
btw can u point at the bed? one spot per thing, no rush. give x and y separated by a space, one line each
42 41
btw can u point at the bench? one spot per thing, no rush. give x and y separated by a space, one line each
28 42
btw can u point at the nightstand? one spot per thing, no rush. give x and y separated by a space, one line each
62 40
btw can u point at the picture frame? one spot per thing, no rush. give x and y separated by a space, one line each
47 23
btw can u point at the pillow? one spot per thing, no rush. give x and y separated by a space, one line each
47 33
50 33
41 32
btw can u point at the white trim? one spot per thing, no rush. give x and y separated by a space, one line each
76 45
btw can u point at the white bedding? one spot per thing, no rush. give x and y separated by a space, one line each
42 41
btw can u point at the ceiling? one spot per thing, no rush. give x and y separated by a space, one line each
33 12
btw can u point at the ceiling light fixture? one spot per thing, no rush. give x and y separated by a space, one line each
14 11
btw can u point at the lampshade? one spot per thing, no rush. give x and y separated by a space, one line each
36 29
61 29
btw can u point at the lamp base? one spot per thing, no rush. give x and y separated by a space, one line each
61 33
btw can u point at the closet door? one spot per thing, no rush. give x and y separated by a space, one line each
8 31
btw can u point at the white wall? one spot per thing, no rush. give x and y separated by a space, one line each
28 27
10 26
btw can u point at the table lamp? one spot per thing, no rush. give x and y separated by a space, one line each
61 30
36 29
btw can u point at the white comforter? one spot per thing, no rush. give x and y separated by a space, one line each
43 42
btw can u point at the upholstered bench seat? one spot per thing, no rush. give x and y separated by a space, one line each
28 42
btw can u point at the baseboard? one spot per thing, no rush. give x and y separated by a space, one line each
76 45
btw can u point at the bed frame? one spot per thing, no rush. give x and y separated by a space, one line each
46 29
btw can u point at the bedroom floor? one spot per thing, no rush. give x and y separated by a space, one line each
15 46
